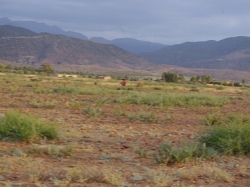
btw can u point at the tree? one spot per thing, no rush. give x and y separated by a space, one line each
46 68
205 79
181 78
169 77
194 79
243 82
2 67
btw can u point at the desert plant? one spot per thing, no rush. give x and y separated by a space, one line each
19 126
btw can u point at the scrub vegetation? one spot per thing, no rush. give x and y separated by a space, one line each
65 131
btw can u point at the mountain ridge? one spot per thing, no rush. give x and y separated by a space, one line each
132 45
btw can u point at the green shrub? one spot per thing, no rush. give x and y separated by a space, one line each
231 137
18 126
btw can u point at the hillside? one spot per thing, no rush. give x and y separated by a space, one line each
7 30
62 50
230 53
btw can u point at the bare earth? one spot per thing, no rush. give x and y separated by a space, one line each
104 148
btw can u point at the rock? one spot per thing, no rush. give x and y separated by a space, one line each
137 177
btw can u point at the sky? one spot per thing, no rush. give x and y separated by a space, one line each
163 21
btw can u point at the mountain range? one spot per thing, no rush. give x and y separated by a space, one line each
128 44
229 53
23 46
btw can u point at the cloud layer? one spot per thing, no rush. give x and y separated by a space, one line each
163 21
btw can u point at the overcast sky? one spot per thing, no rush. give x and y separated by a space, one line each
162 21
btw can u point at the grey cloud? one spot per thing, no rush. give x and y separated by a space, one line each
165 21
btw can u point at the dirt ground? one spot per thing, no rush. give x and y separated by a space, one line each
110 149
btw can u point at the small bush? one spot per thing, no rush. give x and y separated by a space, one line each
231 137
18 126
237 84
139 84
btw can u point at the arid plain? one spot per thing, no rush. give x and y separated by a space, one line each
110 135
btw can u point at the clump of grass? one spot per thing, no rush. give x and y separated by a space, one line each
87 90
141 153
220 88
194 89
231 137
95 112
53 150
119 111
157 88
173 154
24 127
147 117
43 104
143 117
212 119
74 104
